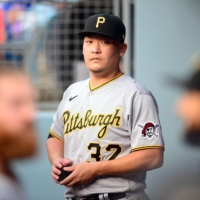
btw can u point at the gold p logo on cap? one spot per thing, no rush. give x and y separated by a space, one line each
100 20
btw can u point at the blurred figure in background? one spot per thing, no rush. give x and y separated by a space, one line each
188 109
17 134
188 106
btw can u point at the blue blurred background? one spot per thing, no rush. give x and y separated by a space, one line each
162 37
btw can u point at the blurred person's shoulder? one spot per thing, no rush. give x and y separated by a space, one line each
11 189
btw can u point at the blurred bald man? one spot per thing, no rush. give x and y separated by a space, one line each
17 134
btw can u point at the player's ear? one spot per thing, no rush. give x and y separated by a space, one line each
123 48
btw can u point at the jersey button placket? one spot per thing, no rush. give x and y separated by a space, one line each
89 98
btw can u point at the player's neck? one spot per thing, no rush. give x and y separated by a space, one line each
97 80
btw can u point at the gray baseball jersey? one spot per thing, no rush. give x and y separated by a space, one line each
105 123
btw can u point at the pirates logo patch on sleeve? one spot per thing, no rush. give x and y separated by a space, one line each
149 130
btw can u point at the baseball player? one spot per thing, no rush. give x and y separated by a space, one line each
99 133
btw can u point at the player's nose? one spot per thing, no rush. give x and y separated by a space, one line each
96 47
29 112
180 106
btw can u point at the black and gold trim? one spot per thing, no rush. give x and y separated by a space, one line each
54 135
148 147
105 82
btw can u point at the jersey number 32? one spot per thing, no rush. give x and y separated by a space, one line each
96 149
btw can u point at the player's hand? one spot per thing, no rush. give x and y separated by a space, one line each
59 163
82 174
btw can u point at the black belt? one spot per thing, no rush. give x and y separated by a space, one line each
109 196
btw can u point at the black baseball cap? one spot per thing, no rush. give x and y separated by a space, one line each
192 82
105 24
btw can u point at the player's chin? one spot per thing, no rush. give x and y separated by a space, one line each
96 70
25 145
29 140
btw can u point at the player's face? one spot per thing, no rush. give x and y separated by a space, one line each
17 111
188 107
102 54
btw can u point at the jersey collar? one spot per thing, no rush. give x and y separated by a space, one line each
105 82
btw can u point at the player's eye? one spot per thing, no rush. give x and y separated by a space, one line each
105 42
89 41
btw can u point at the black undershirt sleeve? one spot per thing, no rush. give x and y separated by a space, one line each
49 136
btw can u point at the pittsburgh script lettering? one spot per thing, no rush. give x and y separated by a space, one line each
74 122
